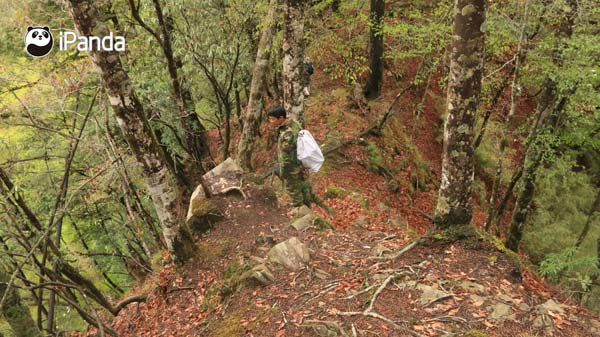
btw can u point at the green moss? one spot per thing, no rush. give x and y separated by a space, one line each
322 224
229 326
474 333
361 200
413 234
374 157
333 192
480 190
340 93
206 253
492 259
468 10
233 269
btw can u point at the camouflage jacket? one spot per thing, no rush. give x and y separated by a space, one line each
289 165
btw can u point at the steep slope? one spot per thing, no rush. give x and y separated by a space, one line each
356 284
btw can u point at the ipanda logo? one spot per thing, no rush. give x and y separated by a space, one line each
39 42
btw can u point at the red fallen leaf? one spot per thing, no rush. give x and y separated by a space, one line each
280 333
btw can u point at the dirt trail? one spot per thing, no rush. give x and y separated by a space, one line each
431 290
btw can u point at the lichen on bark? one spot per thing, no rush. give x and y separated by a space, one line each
293 59
162 187
453 206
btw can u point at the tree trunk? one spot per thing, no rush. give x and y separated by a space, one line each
15 312
194 139
507 120
466 65
165 193
335 6
293 59
588 222
549 117
255 102
373 86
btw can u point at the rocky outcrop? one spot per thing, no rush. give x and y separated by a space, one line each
224 178
291 254
201 211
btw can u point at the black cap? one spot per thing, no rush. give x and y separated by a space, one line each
277 111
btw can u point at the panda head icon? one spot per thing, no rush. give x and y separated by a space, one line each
38 41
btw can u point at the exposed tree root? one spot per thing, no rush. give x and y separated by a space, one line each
368 312
400 253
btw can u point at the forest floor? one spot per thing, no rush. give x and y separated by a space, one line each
352 285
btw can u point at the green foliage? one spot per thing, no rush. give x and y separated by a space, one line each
563 201
374 156
556 265
341 46
419 29
487 154
335 192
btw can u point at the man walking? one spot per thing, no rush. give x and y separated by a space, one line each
291 170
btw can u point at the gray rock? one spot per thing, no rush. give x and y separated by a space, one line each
311 220
505 298
265 240
477 300
298 212
500 312
430 294
544 322
324 328
260 273
200 210
304 222
292 254
524 307
472 287
224 178
543 319
550 305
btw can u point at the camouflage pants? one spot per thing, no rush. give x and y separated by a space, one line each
300 190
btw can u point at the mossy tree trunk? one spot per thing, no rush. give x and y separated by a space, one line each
586 227
548 112
162 187
373 86
293 59
533 158
15 312
464 86
519 55
255 102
